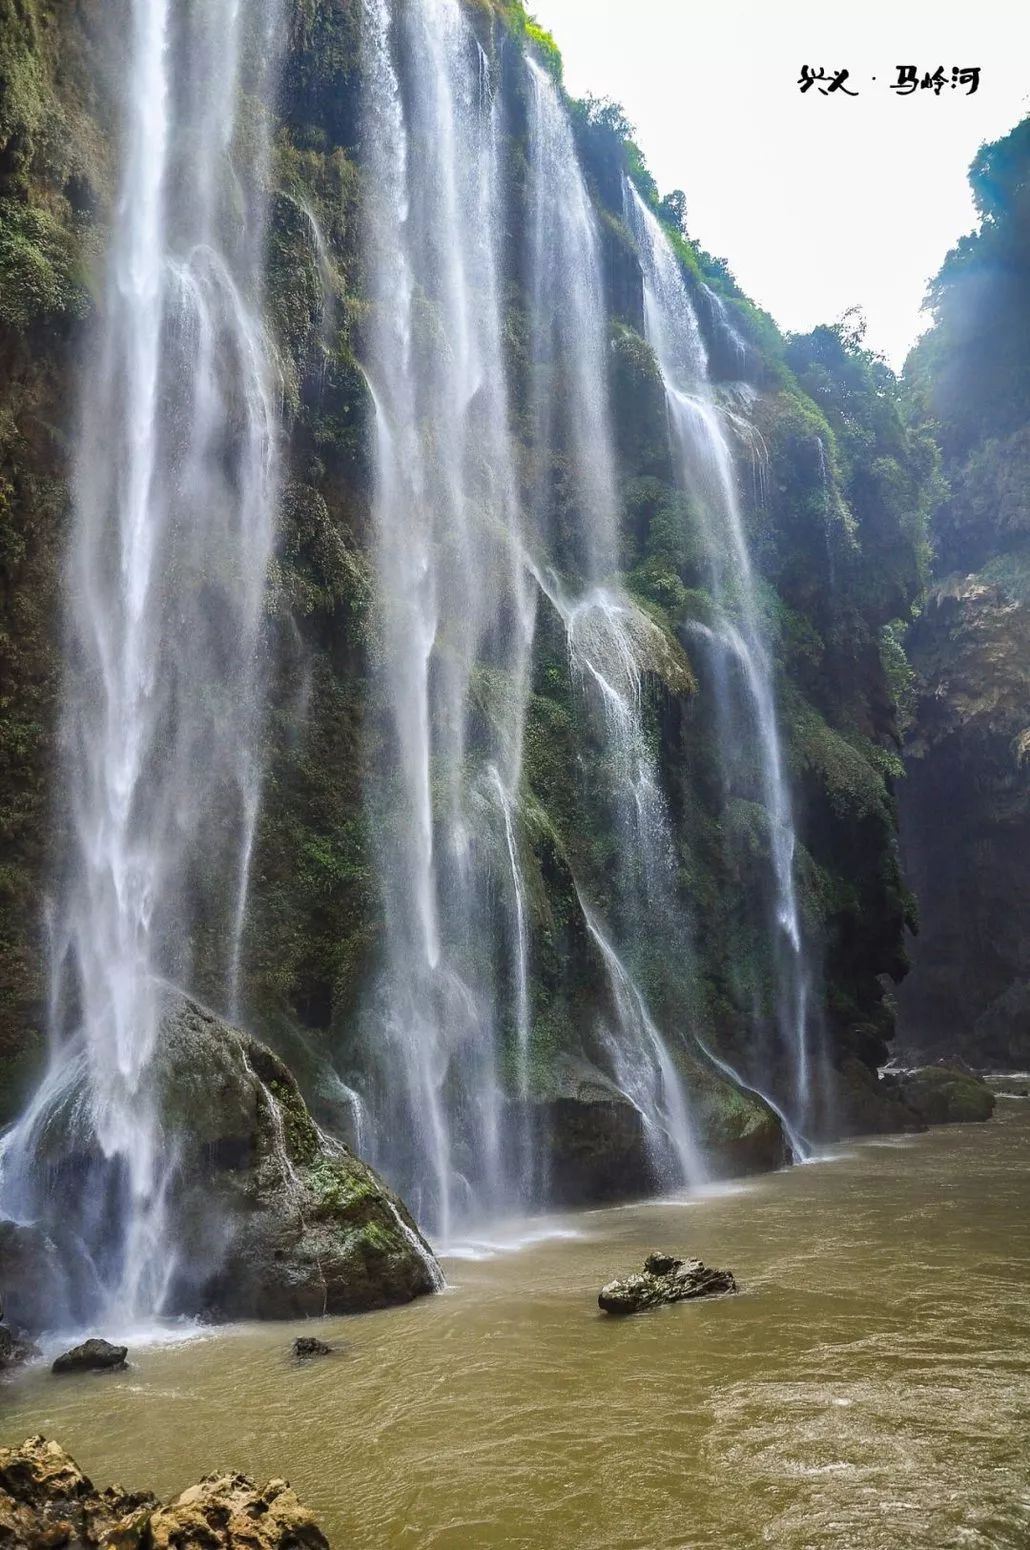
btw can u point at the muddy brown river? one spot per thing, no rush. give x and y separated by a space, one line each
869 1390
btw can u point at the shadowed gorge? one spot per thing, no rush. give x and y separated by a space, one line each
966 804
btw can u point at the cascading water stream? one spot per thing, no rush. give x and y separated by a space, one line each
645 1071
458 607
457 613
705 465
606 635
175 483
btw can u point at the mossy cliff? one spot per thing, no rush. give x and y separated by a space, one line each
56 148
966 808
836 488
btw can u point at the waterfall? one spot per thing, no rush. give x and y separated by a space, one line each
645 1071
457 615
174 493
747 708
607 637
462 554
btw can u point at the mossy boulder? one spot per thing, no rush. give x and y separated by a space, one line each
664 1279
270 1217
737 1130
274 1218
943 1095
868 1104
598 1143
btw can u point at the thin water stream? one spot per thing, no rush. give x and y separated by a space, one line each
869 1389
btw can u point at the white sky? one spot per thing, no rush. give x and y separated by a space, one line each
817 203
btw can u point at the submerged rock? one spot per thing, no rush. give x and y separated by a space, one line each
307 1345
945 1095
664 1279
46 1500
92 1356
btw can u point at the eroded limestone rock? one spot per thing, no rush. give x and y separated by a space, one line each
46 1500
271 1217
664 1279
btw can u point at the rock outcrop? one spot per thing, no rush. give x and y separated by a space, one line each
46 1501
36 1276
943 1095
273 1218
664 1279
598 1145
596 1138
92 1356
306 1346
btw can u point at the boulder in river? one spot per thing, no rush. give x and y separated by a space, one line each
270 1217
598 1141
92 1356
46 1500
308 1345
273 1217
664 1279
946 1095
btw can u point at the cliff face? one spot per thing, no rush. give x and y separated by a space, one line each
965 803
834 494
56 139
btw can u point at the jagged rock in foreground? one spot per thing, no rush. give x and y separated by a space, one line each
664 1279
944 1095
46 1500
92 1356
272 1217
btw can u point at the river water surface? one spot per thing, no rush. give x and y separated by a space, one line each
869 1390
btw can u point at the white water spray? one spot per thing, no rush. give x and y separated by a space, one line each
701 448
607 636
175 482
457 613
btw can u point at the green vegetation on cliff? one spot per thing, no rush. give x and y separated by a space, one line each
966 806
